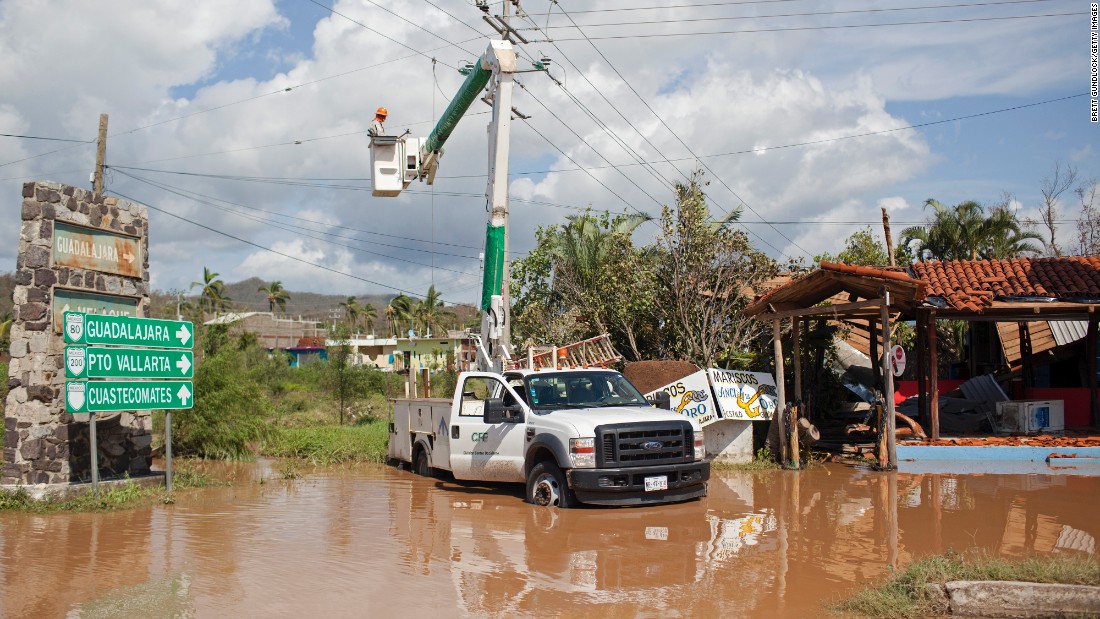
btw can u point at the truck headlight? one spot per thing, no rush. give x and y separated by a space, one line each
583 452
700 451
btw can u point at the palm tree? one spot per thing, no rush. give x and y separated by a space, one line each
351 311
430 311
212 295
400 308
965 232
370 314
583 246
1007 239
276 295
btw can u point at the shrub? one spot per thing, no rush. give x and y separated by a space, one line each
230 410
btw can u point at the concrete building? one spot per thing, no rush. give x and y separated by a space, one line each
271 332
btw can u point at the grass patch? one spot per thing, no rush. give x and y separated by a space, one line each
905 594
764 461
111 498
366 442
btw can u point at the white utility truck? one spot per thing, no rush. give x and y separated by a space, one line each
572 435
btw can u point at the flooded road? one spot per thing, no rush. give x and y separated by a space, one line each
375 541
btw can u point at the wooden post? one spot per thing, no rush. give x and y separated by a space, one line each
1090 367
933 378
888 383
872 335
922 368
796 353
100 155
880 432
1025 358
780 392
792 418
886 233
425 383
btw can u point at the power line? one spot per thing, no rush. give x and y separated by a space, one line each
681 140
782 15
264 248
298 230
804 28
38 137
309 181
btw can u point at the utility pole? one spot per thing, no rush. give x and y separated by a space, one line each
100 155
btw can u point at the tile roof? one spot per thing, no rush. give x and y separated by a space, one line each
974 284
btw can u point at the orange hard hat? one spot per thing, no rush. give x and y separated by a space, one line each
382 112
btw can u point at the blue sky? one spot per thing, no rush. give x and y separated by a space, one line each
803 81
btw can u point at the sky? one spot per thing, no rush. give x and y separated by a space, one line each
242 125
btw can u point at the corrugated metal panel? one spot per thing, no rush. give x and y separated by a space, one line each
984 389
1066 331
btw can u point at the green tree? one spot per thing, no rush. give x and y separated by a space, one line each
369 314
351 311
966 232
430 311
860 248
276 296
230 409
585 278
341 376
705 269
212 295
399 310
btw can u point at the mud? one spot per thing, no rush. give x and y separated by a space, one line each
375 541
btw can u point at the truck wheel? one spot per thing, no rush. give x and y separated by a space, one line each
421 466
546 487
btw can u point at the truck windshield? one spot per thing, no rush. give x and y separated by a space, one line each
547 392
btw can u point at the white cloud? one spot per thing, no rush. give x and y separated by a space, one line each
719 94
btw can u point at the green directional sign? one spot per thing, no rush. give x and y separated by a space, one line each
98 362
127 395
82 328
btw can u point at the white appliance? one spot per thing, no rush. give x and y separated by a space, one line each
1031 416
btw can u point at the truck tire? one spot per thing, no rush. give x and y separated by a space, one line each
421 465
546 487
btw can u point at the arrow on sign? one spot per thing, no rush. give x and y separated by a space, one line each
127 256
183 334
183 393
183 364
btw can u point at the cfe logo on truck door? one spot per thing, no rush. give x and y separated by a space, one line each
479 437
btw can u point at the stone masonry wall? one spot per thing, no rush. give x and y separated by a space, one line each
42 442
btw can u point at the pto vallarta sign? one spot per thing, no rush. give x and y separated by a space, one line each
97 362
126 331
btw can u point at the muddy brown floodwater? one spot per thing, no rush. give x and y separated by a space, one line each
373 541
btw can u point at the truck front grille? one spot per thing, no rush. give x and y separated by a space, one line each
646 444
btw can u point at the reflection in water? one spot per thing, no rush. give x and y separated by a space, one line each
374 541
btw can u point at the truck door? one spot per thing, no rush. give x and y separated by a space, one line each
488 452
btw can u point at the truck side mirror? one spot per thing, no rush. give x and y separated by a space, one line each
497 412
663 400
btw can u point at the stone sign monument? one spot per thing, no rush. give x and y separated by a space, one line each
79 251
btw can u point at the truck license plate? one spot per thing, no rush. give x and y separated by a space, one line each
656 483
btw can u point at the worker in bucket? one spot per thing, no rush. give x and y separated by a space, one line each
376 127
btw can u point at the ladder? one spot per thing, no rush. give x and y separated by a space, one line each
593 352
